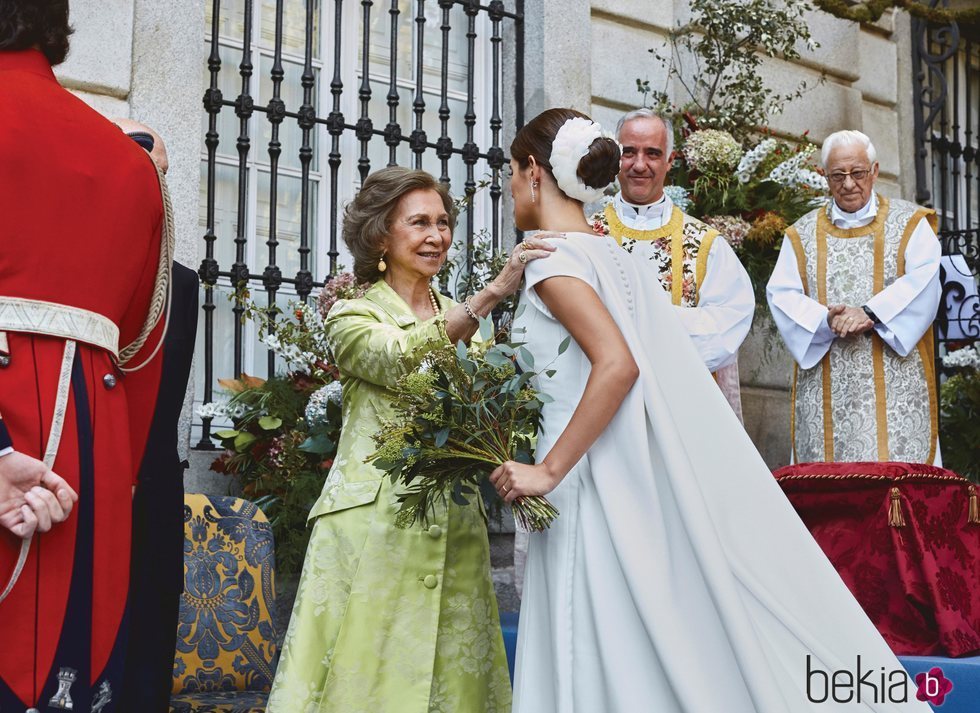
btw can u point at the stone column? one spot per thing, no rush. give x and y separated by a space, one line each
99 61
166 90
557 61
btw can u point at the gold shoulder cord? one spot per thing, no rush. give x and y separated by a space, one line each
162 289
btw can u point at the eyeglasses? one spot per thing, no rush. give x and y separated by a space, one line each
838 177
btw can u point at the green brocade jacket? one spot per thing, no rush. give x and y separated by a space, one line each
374 340
388 620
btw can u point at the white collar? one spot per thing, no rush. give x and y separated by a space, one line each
858 219
644 217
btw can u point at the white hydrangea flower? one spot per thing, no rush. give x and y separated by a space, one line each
712 151
679 196
967 357
316 409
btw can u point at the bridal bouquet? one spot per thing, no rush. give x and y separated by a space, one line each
461 414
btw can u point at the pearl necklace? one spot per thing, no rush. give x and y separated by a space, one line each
434 302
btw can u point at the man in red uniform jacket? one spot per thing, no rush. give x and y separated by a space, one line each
85 250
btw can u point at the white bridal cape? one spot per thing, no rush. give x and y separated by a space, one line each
677 577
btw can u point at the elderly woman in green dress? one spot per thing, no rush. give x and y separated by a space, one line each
391 620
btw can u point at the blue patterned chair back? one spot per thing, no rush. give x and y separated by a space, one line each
226 639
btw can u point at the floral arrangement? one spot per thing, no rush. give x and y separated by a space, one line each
960 412
285 429
749 196
280 447
458 417
712 152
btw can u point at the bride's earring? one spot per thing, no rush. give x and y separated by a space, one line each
534 184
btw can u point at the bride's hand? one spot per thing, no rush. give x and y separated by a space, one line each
509 279
516 480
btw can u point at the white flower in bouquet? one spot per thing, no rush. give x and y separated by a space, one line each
215 410
316 408
679 196
753 158
712 151
792 171
811 179
967 357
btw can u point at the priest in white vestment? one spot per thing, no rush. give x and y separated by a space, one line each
854 293
711 291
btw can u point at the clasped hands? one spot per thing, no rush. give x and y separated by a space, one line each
32 497
845 321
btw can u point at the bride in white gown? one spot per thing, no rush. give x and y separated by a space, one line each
677 576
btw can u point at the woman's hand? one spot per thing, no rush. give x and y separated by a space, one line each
516 480
509 279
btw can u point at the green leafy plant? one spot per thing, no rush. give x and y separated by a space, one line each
458 417
960 407
280 447
717 55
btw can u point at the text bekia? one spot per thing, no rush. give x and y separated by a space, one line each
872 685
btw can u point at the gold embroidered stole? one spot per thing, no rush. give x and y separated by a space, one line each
813 425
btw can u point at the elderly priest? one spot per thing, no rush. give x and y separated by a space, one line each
854 293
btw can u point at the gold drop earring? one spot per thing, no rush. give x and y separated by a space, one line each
382 266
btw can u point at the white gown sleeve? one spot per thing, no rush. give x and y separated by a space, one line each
801 320
571 259
908 306
726 303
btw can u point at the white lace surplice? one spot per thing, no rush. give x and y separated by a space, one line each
677 577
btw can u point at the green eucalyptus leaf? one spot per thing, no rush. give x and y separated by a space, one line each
564 344
441 437
486 328
495 358
526 357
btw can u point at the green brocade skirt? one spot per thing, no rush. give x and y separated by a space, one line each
391 620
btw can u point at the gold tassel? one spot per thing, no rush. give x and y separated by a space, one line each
895 517
973 514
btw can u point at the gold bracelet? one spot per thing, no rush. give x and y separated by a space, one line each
469 310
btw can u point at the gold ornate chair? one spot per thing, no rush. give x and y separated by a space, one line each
226 639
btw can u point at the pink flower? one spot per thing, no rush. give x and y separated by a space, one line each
342 286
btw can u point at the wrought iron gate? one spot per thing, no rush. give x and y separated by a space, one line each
947 122
505 20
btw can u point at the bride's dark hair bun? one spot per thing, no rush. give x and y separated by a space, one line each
600 166
597 169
